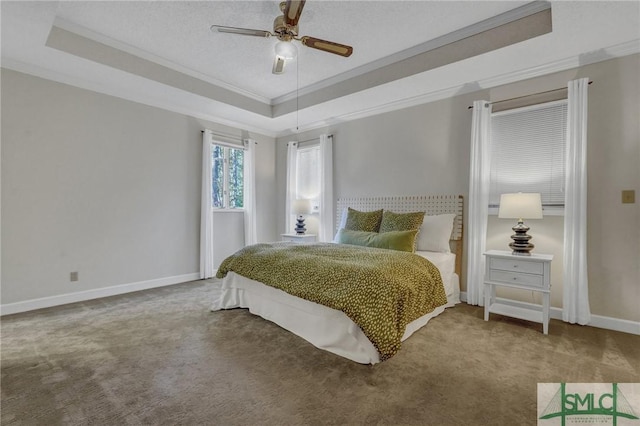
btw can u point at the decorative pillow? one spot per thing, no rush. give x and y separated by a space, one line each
400 221
435 233
341 225
392 240
363 221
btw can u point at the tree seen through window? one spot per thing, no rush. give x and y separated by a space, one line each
227 184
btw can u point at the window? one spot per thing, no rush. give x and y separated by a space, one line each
227 177
308 172
528 152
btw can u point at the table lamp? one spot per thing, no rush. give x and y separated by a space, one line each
520 206
301 207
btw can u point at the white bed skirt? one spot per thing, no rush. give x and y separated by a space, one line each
324 327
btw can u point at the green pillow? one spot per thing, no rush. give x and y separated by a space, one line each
400 221
393 240
363 221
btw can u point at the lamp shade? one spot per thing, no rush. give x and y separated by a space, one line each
301 206
520 206
286 49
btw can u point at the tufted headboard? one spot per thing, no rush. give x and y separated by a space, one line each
431 204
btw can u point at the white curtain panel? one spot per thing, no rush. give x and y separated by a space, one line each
292 158
250 233
479 182
575 302
325 232
206 216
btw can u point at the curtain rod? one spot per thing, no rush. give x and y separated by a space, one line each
311 140
526 96
233 137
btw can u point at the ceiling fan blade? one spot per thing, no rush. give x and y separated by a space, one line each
241 31
292 12
327 46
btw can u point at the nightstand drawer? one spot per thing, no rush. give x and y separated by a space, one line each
299 238
517 278
516 265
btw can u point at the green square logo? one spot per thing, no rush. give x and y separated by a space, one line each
588 404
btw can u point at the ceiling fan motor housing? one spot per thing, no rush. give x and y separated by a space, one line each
283 31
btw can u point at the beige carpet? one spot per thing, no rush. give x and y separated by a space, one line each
160 357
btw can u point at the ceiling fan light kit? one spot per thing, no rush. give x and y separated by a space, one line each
285 28
286 50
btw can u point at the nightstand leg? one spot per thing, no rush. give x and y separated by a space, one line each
488 290
545 313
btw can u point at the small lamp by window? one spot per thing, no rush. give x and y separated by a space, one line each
300 208
520 206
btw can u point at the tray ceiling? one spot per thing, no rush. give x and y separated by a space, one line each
162 53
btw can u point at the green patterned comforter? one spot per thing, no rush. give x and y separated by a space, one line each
380 290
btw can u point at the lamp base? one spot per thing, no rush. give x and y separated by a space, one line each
300 229
521 245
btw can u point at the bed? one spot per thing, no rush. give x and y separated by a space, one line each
331 329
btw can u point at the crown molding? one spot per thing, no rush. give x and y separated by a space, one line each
100 38
621 50
469 31
617 51
162 103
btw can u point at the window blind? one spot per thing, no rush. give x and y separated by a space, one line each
528 152
308 172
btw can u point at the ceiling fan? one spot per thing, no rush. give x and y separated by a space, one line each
285 28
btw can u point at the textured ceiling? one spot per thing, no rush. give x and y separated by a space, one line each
176 35
179 32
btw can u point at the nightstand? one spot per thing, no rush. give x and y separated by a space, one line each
532 272
299 238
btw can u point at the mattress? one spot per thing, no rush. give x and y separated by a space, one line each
326 328
446 264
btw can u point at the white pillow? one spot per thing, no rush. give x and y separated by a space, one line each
435 233
343 223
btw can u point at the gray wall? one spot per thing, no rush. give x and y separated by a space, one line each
425 150
418 150
110 188
106 187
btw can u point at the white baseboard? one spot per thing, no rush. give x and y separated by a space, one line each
598 321
81 296
626 326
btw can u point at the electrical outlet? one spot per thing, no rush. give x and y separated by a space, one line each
73 276
628 196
